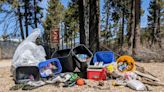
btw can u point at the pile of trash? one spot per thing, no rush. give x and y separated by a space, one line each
31 70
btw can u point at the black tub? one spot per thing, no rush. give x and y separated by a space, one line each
23 73
65 57
82 49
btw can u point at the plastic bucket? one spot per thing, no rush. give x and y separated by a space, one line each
126 63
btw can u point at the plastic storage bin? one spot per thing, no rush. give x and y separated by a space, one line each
96 74
104 56
24 74
65 57
81 49
45 64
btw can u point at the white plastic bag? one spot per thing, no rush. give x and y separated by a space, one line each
136 85
28 53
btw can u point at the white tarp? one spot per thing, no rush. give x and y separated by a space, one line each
28 53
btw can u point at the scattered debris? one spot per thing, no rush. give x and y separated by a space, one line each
80 82
147 76
59 69
136 85
101 83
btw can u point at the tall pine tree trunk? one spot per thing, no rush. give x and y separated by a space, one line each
158 24
81 22
26 17
35 14
136 40
107 20
65 36
86 21
131 27
62 42
154 25
20 23
122 29
122 24
71 42
94 25
74 36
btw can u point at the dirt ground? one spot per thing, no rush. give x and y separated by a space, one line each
6 81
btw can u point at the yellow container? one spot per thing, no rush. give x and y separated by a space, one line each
126 63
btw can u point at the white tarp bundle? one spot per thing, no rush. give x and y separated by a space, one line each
28 53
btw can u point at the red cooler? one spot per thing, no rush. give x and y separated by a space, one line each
96 74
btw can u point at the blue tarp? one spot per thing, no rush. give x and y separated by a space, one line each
104 56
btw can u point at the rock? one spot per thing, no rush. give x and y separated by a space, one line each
149 88
151 61
101 83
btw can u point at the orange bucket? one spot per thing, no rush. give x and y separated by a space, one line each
126 63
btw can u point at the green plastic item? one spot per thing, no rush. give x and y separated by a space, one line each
74 77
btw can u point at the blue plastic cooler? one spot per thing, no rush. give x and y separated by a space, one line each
104 56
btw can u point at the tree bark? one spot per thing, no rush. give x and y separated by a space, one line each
81 22
122 29
107 19
94 25
86 21
35 14
107 15
20 23
71 42
65 28
131 27
26 15
155 24
136 40
74 36
159 25
62 41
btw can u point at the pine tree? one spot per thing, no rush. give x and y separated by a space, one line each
136 39
94 27
106 33
23 12
53 19
154 19
54 15
71 20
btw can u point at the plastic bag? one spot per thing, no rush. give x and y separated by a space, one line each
28 53
136 85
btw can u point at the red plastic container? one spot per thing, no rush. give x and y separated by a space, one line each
96 74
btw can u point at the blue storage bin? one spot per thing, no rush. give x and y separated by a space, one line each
104 56
44 64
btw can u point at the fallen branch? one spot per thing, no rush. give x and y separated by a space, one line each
152 83
142 70
146 75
